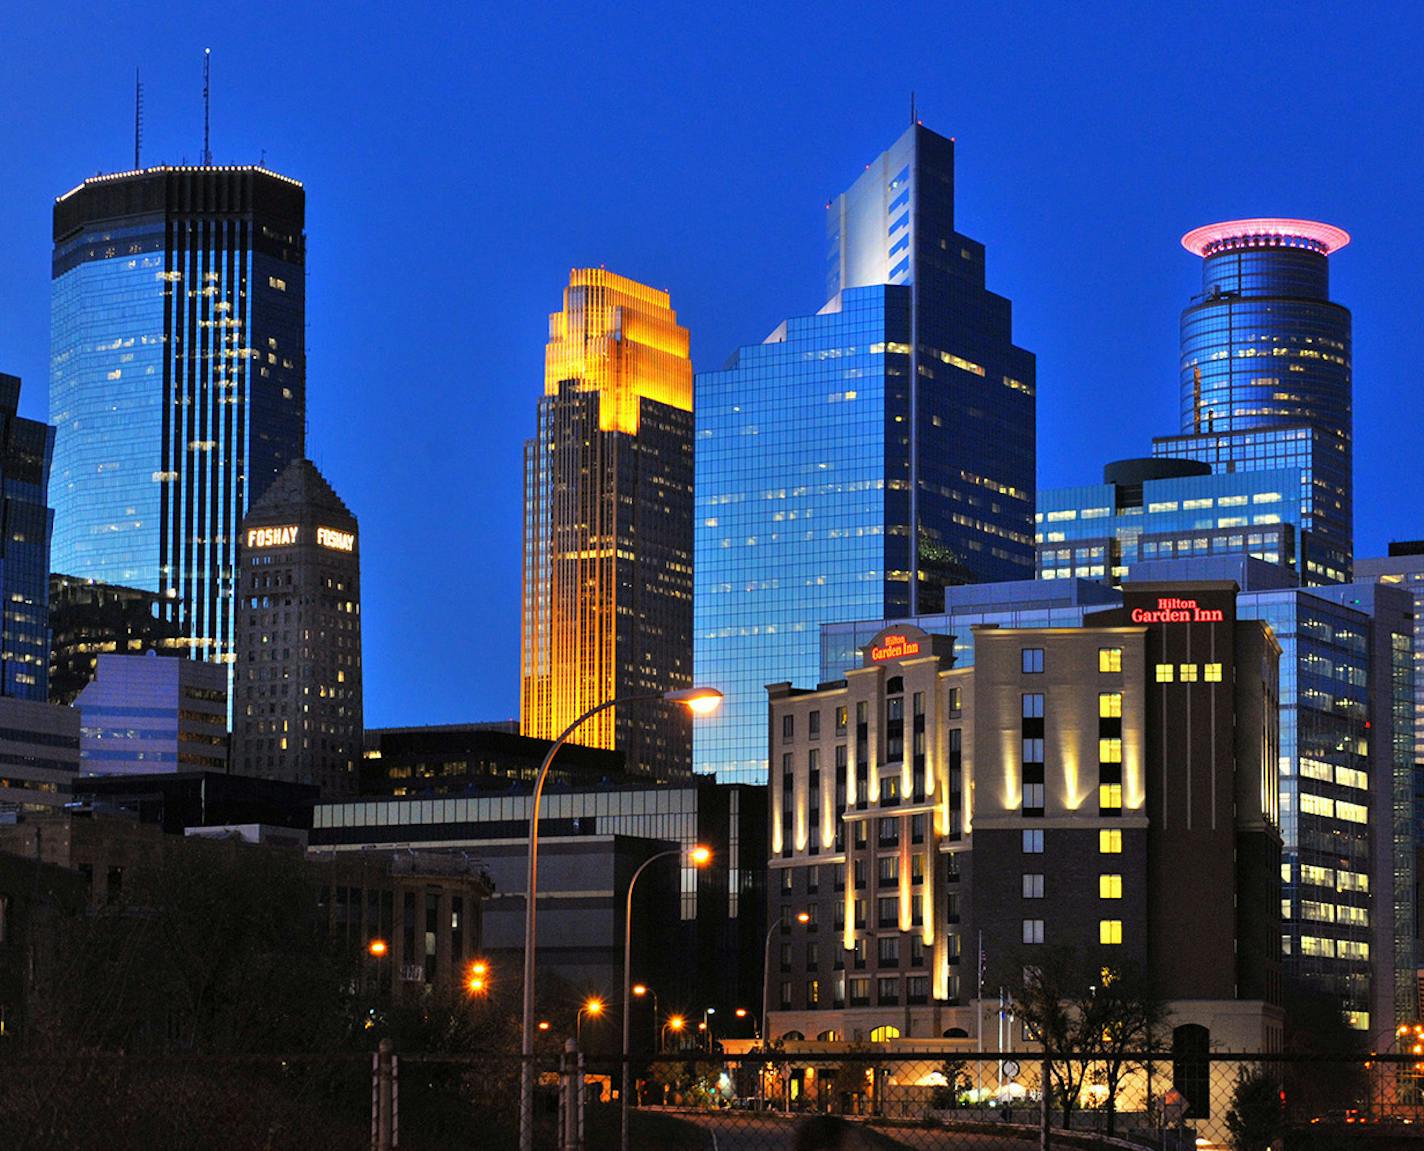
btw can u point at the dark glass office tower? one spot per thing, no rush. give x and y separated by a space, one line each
1265 374
863 458
26 447
177 378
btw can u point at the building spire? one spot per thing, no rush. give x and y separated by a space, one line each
207 107
138 119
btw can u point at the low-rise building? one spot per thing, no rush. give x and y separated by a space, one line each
147 713
1111 789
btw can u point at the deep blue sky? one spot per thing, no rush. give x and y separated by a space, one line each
459 160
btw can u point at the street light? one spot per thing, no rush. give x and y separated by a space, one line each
699 701
594 1007
801 917
478 978
675 1024
640 990
698 856
378 948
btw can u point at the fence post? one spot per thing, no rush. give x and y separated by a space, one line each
1045 1139
383 1112
571 1098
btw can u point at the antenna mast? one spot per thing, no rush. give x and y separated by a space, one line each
138 119
207 104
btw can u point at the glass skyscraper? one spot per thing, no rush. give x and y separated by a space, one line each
26 447
607 608
177 378
860 460
1265 373
1166 509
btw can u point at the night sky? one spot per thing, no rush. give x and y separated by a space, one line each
460 159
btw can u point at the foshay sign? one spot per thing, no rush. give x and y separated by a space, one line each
1172 610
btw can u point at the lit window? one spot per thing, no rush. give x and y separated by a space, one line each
1189 673
1164 673
1109 659
1110 704
1109 751
1212 673
1110 797
1109 842
1033 886
1032 661
1109 931
1033 797
1110 887
1033 842
1033 931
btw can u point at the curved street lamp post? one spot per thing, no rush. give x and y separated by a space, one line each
700 701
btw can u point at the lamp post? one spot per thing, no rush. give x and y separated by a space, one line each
699 857
742 1013
592 1006
675 1024
640 990
801 917
698 700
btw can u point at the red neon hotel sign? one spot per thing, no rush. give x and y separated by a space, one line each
894 647
1170 610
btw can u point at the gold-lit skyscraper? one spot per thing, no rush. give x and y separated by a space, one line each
607 606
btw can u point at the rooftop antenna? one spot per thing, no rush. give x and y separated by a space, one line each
913 121
138 119
207 104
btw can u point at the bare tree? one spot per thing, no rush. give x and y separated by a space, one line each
1119 1016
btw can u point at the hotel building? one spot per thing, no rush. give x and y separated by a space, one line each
1096 787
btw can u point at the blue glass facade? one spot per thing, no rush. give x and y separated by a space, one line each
1099 531
1265 374
177 379
860 460
26 447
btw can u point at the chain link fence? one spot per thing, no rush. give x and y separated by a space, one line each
802 1101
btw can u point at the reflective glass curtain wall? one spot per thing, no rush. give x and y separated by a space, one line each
177 379
861 460
1265 373
25 450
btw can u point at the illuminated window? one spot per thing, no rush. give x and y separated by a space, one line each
1110 750
1033 797
1164 673
1110 887
1033 931
1033 841
1109 931
1189 673
1212 673
1033 661
1109 659
882 1034
1110 797
1033 886
1110 704
1110 842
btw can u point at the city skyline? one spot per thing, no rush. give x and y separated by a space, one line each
1074 233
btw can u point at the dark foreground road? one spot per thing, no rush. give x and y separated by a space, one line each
744 1131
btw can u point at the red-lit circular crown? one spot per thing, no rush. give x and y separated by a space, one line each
1265 233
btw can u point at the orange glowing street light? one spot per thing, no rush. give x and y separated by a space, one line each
640 989
478 979
543 1025
803 917
741 1012
378 947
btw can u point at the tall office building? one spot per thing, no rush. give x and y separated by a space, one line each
88 619
26 447
859 461
607 581
177 378
1265 374
297 705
